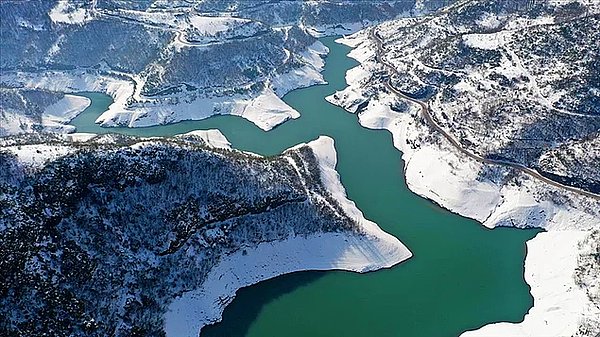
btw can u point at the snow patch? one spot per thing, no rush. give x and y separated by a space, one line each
486 41
489 21
266 111
337 29
211 25
66 12
213 138
433 173
14 123
80 136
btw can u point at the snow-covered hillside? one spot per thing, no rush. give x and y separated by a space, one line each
113 234
488 73
167 61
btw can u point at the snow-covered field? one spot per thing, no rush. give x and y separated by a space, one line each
371 250
437 171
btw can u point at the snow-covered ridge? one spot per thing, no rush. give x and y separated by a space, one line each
309 74
156 89
36 155
390 250
371 250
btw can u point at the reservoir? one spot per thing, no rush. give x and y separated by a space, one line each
462 275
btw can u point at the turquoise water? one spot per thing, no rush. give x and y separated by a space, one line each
462 275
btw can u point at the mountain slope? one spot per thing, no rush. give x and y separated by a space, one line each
100 237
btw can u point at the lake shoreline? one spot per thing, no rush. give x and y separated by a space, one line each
453 183
320 117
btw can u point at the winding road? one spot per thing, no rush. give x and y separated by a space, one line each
425 111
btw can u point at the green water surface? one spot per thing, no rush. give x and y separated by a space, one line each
462 275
